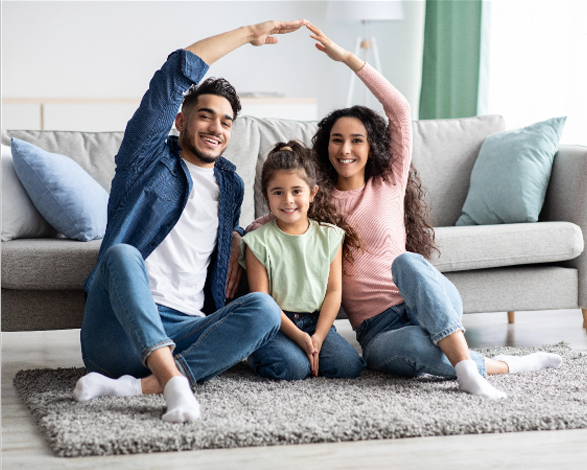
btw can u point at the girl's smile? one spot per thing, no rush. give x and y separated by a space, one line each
289 197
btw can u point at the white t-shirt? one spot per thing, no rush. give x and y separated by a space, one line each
178 267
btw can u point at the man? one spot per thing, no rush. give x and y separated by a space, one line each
165 261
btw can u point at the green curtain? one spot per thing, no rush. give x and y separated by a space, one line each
450 69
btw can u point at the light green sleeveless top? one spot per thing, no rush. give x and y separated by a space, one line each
297 265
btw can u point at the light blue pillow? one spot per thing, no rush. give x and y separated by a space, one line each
61 190
511 175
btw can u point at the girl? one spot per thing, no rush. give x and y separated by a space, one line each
297 259
407 318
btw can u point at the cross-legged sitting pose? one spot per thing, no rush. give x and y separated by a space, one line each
406 314
156 318
297 259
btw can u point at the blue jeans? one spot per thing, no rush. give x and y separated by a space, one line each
281 358
122 324
403 339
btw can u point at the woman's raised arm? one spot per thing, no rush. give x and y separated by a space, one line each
395 105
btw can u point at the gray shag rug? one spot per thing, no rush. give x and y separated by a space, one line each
240 409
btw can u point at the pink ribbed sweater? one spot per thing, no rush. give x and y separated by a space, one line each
376 211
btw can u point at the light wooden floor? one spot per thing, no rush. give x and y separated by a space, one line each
23 447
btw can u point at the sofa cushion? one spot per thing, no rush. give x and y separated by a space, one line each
490 246
445 151
93 151
511 174
543 287
62 191
243 150
47 263
20 217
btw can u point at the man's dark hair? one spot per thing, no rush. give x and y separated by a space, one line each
212 86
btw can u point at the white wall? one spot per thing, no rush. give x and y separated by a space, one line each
83 49
537 64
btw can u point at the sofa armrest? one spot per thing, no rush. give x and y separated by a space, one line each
566 200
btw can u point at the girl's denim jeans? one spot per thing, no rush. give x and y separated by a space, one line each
122 324
281 358
403 339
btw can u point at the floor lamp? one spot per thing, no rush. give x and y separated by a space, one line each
364 12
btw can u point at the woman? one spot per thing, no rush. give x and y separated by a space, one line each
407 318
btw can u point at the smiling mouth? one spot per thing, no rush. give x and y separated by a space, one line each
210 140
288 211
346 161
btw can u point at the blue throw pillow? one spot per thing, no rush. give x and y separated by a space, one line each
61 190
511 175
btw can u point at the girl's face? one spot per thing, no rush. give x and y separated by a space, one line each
289 197
348 151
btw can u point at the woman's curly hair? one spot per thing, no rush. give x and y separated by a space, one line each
294 156
419 233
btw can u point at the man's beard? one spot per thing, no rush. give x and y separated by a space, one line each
188 143
200 156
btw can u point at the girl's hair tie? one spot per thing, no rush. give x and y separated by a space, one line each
286 148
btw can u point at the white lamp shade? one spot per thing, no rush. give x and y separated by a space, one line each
364 10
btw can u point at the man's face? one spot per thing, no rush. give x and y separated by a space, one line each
205 131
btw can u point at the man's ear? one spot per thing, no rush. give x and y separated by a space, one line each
180 122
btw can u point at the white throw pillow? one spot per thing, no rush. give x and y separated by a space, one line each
20 218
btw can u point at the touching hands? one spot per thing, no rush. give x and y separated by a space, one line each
262 33
304 341
315 361
215 47
311 345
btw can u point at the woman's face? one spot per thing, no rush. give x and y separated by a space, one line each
348 151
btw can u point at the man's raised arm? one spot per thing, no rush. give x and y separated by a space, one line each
213 48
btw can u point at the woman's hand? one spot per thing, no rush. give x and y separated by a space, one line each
333 50
262 33
326 45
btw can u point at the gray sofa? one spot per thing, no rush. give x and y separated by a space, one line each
531 266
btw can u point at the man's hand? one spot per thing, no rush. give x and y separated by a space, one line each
235 271
262 33
213 48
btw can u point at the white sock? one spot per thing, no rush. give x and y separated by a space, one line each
471 381
182 405
534 361
97 385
